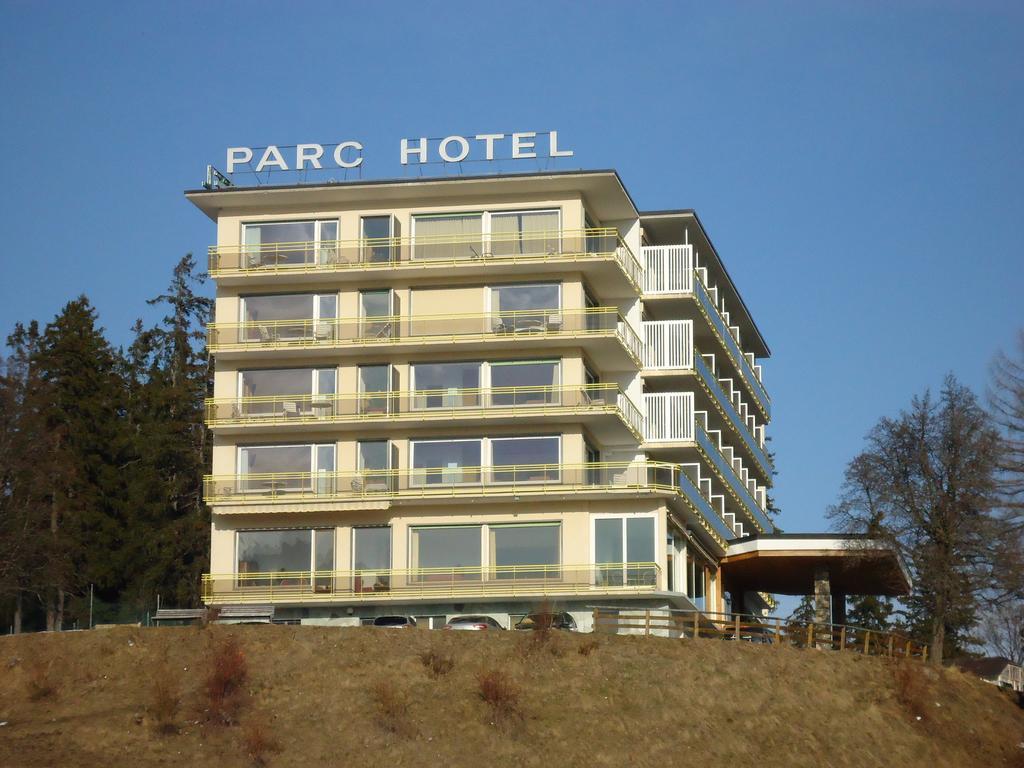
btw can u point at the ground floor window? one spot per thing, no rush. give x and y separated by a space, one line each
516 547
291 554
623 548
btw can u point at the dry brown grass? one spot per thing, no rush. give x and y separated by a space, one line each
257 742
502 696
391 705
165 699
226 676
437 663
588 645
634 701
911 685
40 682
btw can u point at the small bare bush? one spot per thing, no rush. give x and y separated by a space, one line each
501 694
40 682
437 663
258 742
164 700
228 672
910 685
588 646
391 708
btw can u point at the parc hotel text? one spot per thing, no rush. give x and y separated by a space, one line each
349 154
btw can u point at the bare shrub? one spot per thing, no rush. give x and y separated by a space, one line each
164 700
588 646
501 694
391 708
40 683
225 679
258 742
910 685
437 663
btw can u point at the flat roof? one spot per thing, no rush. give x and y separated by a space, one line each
603 189
786 563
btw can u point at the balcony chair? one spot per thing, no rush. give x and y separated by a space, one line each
554 322
290 408
323 331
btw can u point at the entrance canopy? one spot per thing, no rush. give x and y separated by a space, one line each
788 564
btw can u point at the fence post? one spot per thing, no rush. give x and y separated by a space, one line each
737 630
924 653
867 642
810 634
906 650
890 646
778 633
696 624
647 622
842 638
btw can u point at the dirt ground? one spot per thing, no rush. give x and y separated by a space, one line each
316 696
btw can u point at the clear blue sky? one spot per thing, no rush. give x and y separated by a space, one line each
860 167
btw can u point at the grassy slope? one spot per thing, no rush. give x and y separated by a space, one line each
633 701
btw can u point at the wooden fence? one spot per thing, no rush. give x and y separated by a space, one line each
760 630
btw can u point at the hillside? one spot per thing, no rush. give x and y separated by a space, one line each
335 697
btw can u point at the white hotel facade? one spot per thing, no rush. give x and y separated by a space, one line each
474 395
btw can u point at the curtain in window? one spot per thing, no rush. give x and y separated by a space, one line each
528 233
449 237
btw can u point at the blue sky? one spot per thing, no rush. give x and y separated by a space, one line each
859 166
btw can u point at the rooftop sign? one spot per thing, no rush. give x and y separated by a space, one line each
411 152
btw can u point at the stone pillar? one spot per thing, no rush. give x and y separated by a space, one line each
822 596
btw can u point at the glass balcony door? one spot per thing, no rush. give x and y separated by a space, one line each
371 558
276 469
289 317
525 459
525 382
621 540
449 553
378 239
456 236
445 462
285 392
445 385
525 233
378 313
515 547
526 308
292 553
288 243
377 385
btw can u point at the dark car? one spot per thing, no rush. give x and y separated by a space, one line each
473 623
563 621
395 622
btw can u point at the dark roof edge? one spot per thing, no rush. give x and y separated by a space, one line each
725 270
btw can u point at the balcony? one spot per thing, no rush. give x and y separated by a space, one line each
443 483
671 420
670 273
534 328
391 585
541 250
454 404
669 348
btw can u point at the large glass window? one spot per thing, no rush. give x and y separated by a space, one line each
323 558
525 233
440 385
266 391
371 556
695 583
276 469
448 236
535 382
374 389
290 553
530 544
375 465
377 309
312 315
378 245
445 462
529 459
526 307
449 550
621 540
289 243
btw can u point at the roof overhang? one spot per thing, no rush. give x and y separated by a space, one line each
683 225
603 191
787 564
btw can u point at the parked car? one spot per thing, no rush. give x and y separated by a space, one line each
562 620
395 622
473 623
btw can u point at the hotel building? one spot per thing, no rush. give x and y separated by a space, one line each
454 395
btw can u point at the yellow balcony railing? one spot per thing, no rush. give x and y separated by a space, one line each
424 404
394 329
418 583
441 250
443 482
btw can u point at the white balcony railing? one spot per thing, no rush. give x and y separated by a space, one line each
669 416
668 268
668 344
